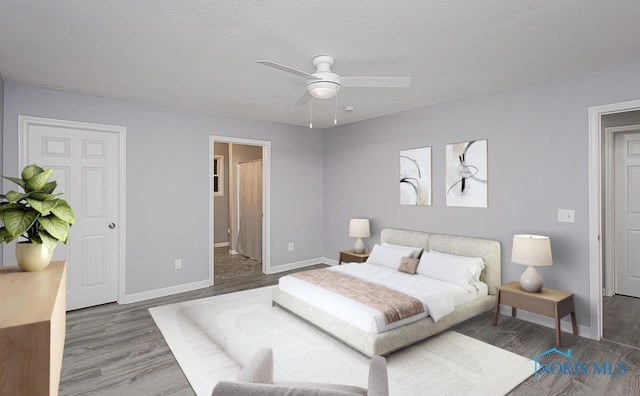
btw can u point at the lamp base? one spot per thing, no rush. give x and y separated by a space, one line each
359 247
530 280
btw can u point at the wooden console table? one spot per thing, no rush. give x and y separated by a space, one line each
32 329
549 302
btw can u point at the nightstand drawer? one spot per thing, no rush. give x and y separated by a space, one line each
527 303
348 256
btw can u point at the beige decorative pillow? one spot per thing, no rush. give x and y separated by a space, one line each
408 265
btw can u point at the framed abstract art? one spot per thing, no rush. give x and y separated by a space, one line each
466 174
415 176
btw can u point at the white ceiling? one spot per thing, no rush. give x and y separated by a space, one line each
198 54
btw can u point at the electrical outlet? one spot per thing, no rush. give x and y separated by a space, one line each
566 215
291 246
178 264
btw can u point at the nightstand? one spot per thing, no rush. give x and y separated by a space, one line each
549 302
349 256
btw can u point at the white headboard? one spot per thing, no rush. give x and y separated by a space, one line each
488 249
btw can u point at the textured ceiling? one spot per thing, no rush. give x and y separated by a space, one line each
198 54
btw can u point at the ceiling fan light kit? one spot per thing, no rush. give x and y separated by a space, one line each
323 89
324 84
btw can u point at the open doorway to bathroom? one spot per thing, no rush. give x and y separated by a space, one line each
239 182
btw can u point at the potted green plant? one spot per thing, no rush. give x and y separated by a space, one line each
37 214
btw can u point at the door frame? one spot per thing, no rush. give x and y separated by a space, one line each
610 284
596 208
266 199
121 132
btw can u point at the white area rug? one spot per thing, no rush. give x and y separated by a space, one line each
213 337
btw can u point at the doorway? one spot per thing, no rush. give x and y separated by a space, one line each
88 166
240 243
600 184
621 251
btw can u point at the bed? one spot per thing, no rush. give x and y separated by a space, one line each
371 335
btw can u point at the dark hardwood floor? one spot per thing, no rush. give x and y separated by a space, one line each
118 350
528 339
228 266
621 319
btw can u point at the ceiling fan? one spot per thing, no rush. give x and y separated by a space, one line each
325 84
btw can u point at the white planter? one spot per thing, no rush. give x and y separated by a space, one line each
32 257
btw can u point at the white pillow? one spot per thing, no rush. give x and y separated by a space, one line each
386 256
447 268
412 252
476 262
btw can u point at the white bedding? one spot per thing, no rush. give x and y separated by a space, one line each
439 298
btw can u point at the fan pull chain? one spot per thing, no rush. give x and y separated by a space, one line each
311 114
335 114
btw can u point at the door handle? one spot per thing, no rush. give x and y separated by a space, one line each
112 225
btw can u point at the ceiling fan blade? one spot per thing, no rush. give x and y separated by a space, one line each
376 82
303 99
286 68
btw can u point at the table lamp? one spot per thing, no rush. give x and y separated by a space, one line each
532 251
359 228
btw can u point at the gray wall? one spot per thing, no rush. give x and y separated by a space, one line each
538 163
2 152
167 179
221 202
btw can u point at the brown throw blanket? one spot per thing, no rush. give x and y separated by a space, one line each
393 304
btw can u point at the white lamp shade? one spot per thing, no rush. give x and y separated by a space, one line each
359 228
532 250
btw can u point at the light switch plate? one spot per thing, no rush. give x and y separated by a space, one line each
566 215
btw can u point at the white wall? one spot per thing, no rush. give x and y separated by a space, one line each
538 163
167 180
221 202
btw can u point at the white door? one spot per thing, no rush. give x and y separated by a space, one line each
627 213
85 161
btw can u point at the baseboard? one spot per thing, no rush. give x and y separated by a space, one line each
565 324
167 291
329 261
300 264
220 244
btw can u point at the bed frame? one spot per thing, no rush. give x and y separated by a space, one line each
392 340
